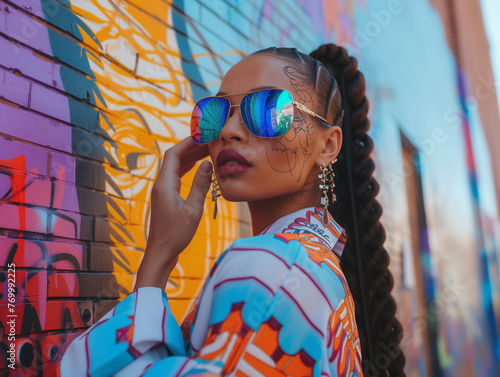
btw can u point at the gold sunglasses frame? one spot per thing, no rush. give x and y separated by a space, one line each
299 105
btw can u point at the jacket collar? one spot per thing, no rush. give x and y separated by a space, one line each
308 220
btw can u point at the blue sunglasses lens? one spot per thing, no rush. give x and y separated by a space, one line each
268 113
208 118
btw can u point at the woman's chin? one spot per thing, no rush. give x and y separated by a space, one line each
245 196
234 197
234 194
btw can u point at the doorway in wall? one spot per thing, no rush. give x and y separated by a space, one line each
424 325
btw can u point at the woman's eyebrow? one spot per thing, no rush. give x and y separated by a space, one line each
264 87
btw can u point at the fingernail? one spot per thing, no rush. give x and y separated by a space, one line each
206 167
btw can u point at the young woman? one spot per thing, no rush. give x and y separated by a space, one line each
287 133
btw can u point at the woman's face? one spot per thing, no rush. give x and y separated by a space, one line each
282 166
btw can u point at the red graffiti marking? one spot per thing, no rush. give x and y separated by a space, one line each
18 183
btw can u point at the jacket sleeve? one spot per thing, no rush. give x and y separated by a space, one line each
139 331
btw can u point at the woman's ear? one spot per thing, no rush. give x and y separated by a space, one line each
330 145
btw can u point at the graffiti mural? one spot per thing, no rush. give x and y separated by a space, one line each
92 93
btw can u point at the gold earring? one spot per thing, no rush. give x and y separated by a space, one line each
215 193
331 183
326 185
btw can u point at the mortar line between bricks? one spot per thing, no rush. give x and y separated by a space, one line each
34 236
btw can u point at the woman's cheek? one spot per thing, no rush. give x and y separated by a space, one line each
291 152
282 158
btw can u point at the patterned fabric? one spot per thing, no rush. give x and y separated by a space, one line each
276 304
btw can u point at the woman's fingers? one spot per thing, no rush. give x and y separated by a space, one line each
179 159
194 154
201 184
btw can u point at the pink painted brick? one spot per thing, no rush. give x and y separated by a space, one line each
5 183
31 284
11 217
37 192
28 253
64 224
36 159
65 196
63 284
6 245
68 249
62 167
14 88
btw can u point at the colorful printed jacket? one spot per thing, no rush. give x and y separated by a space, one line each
276 304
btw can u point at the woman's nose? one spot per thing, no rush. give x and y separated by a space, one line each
234 127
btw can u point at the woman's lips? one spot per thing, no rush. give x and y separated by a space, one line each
230 163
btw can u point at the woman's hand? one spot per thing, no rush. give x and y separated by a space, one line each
173 220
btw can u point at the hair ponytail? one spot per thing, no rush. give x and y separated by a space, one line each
364 262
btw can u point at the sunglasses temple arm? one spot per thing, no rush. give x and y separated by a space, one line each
304 109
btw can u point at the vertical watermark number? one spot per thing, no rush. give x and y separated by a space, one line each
11 316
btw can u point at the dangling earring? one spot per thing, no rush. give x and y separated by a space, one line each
326 185
215 193
330 181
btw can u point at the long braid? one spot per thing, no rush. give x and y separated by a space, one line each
364 262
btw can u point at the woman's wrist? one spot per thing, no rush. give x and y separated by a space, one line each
152 273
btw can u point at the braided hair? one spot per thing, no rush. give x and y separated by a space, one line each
334 76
